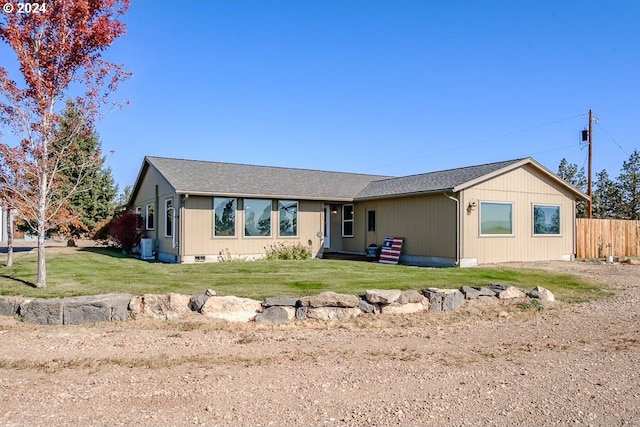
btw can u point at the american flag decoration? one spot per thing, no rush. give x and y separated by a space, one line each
391 248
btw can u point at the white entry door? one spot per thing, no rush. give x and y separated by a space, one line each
327 227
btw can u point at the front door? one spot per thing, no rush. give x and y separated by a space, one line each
327 227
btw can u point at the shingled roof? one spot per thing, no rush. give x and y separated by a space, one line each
206 178
439 181
209 178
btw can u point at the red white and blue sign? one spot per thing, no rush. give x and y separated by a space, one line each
391 248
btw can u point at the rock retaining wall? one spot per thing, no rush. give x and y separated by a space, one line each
324 306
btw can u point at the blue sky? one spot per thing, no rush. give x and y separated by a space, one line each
384 87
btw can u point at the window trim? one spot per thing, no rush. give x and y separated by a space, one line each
244 210
297 231
533 220
166 217
352 220
235 217
153 216
493 202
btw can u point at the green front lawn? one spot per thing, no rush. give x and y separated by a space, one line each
75 271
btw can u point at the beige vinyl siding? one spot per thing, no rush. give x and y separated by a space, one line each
523 187
147 195
200 241
427 222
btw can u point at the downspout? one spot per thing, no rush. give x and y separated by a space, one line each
575 232
457 263
157 225
182 227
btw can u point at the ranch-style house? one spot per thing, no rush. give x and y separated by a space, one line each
202 211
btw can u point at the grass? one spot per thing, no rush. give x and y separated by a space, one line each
90 271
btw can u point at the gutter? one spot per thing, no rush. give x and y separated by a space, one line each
458 228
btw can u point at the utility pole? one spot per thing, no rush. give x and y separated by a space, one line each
589 181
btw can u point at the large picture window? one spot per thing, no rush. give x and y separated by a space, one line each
169 215
151 207
496 218
546 220
288 217
224 216
347 221
257 218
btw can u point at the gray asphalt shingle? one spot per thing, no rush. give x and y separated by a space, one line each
207 178
438 181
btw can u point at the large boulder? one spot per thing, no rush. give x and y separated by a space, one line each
475 292
443 299
77 310
410 296
280 302
197 301
333 313
408 308
9 306
543 294
382 296
166 306
330 299
507 291
42 311
231 308
276 314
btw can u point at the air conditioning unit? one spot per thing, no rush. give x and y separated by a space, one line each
146 248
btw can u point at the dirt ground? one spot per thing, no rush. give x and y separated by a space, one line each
498 366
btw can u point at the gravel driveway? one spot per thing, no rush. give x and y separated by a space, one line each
493 365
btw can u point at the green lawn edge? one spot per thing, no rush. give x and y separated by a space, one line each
92 271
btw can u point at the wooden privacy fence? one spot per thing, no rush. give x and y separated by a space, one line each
599 238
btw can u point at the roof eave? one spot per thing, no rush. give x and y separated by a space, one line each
263 196
407 194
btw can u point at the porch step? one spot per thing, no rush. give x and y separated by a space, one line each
348 257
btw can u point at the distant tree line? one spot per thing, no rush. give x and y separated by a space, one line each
617 198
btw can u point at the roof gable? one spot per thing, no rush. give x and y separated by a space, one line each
453 180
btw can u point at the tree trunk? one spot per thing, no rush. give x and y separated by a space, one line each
41 282
9 238
42 267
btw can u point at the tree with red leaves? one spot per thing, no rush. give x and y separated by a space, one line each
58 48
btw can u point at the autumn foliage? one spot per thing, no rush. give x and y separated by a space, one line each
59 55
126 231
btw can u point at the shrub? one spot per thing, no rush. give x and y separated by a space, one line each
283 251
125 231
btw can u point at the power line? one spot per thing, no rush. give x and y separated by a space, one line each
498 137
615 142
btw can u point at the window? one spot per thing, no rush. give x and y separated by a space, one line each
546 220
347 220
224 216
169 215
496 218
371 220
288 217
257 218
151 207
